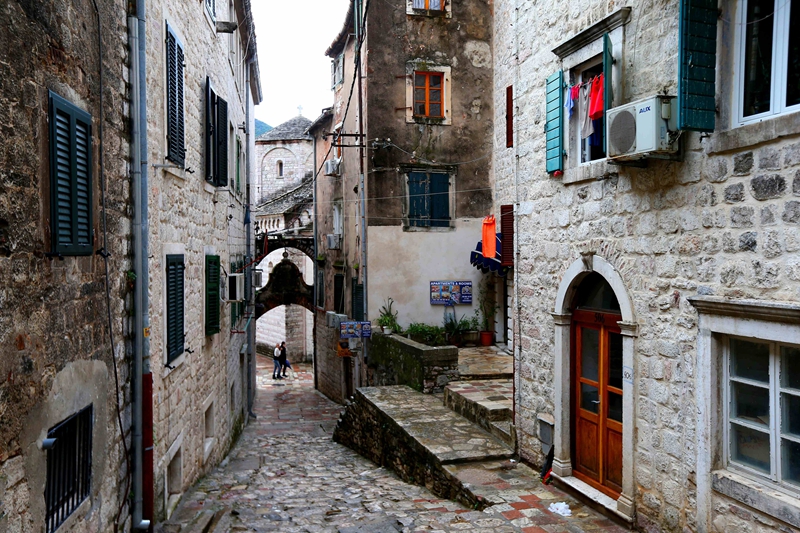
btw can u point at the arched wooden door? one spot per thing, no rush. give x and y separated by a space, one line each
597 387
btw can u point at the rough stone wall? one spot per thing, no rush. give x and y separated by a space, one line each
187 215
54 335
723 222
297 157
394 360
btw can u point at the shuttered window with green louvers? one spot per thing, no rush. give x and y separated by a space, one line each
697 61
358 300
176 149
175 298
212 294
554 124
70 178
221 130
320 288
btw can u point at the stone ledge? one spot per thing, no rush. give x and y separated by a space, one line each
750 309
768 130
759 496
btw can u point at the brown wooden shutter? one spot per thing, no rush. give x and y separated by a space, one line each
509 116
507 229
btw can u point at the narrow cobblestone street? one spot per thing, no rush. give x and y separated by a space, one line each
286 474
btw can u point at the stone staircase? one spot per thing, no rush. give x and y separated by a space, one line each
459 447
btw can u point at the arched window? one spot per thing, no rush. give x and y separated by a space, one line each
280 169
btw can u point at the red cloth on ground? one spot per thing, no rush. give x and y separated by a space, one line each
596 98
489 237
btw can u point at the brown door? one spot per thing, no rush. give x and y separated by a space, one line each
597 400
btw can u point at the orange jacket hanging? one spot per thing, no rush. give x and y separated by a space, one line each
489 237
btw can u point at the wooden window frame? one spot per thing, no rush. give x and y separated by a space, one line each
428 76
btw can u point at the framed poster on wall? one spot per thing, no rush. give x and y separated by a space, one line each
451 292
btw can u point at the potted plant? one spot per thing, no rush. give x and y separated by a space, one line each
472 333
388 318
486 309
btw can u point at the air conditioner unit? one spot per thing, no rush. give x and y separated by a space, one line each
645 128
332 167
258 278
235 287
334 241
332 320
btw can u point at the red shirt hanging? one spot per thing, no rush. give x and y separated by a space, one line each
596 98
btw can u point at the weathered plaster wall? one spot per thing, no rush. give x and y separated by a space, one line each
722 222
54 335
189 216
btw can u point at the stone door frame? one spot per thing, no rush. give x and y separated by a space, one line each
562 462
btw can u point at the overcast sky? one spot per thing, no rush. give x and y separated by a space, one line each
292 39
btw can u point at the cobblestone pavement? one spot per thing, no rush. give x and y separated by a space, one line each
286 474
485 362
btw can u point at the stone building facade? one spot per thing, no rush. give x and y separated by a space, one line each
201 343
63 340
284 157
654 305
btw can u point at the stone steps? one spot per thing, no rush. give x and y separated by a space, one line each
487 403
189 520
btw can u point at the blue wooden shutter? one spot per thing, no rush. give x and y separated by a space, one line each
176 150
70 178
211 106
697 61
222 142
212 294
608 87
440 199
174 289
418 201
358 301
554 90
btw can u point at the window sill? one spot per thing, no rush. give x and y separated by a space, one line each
174 364
79 513
758 495
176 172
596 170
443 121
435 13
428 229
208 446
767 130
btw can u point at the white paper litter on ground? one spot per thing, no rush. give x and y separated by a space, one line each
560 508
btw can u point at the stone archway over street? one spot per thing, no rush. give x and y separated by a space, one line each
284 287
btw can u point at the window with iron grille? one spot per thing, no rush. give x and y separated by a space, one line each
70 178
176 150
175 331
428 94
69 467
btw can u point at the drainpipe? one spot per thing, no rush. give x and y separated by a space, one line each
251 324
316 266
361 362
517 270
142 378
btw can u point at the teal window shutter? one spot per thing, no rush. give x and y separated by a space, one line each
174 289
697 60
211 156
222 143
70 178
554 124
440 199
358 301
418 201
608 86
176 149
212 294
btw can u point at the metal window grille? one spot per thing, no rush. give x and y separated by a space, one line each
69 467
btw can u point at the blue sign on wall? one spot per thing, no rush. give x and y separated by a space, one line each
451 292
354 330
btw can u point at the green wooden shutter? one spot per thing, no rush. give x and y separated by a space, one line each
321 288
338 293
418 201
212 294
608 86
697 61
440 199
176 151
211 104
174 289
70 178
358 301
554 124
238 159
222 142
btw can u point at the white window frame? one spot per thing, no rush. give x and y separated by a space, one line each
780 47
211 9
573 123
338 218
775 413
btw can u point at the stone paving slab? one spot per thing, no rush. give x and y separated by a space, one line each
286 475
446 434
484 362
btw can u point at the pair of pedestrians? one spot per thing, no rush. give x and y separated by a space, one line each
280 362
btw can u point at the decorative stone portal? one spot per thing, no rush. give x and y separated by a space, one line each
563 456
285 287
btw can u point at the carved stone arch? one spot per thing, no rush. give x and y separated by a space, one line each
285 286
562 461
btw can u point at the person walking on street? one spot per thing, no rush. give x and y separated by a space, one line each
276 362
284 361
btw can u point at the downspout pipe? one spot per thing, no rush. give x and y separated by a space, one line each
316 265
248 225
141 371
